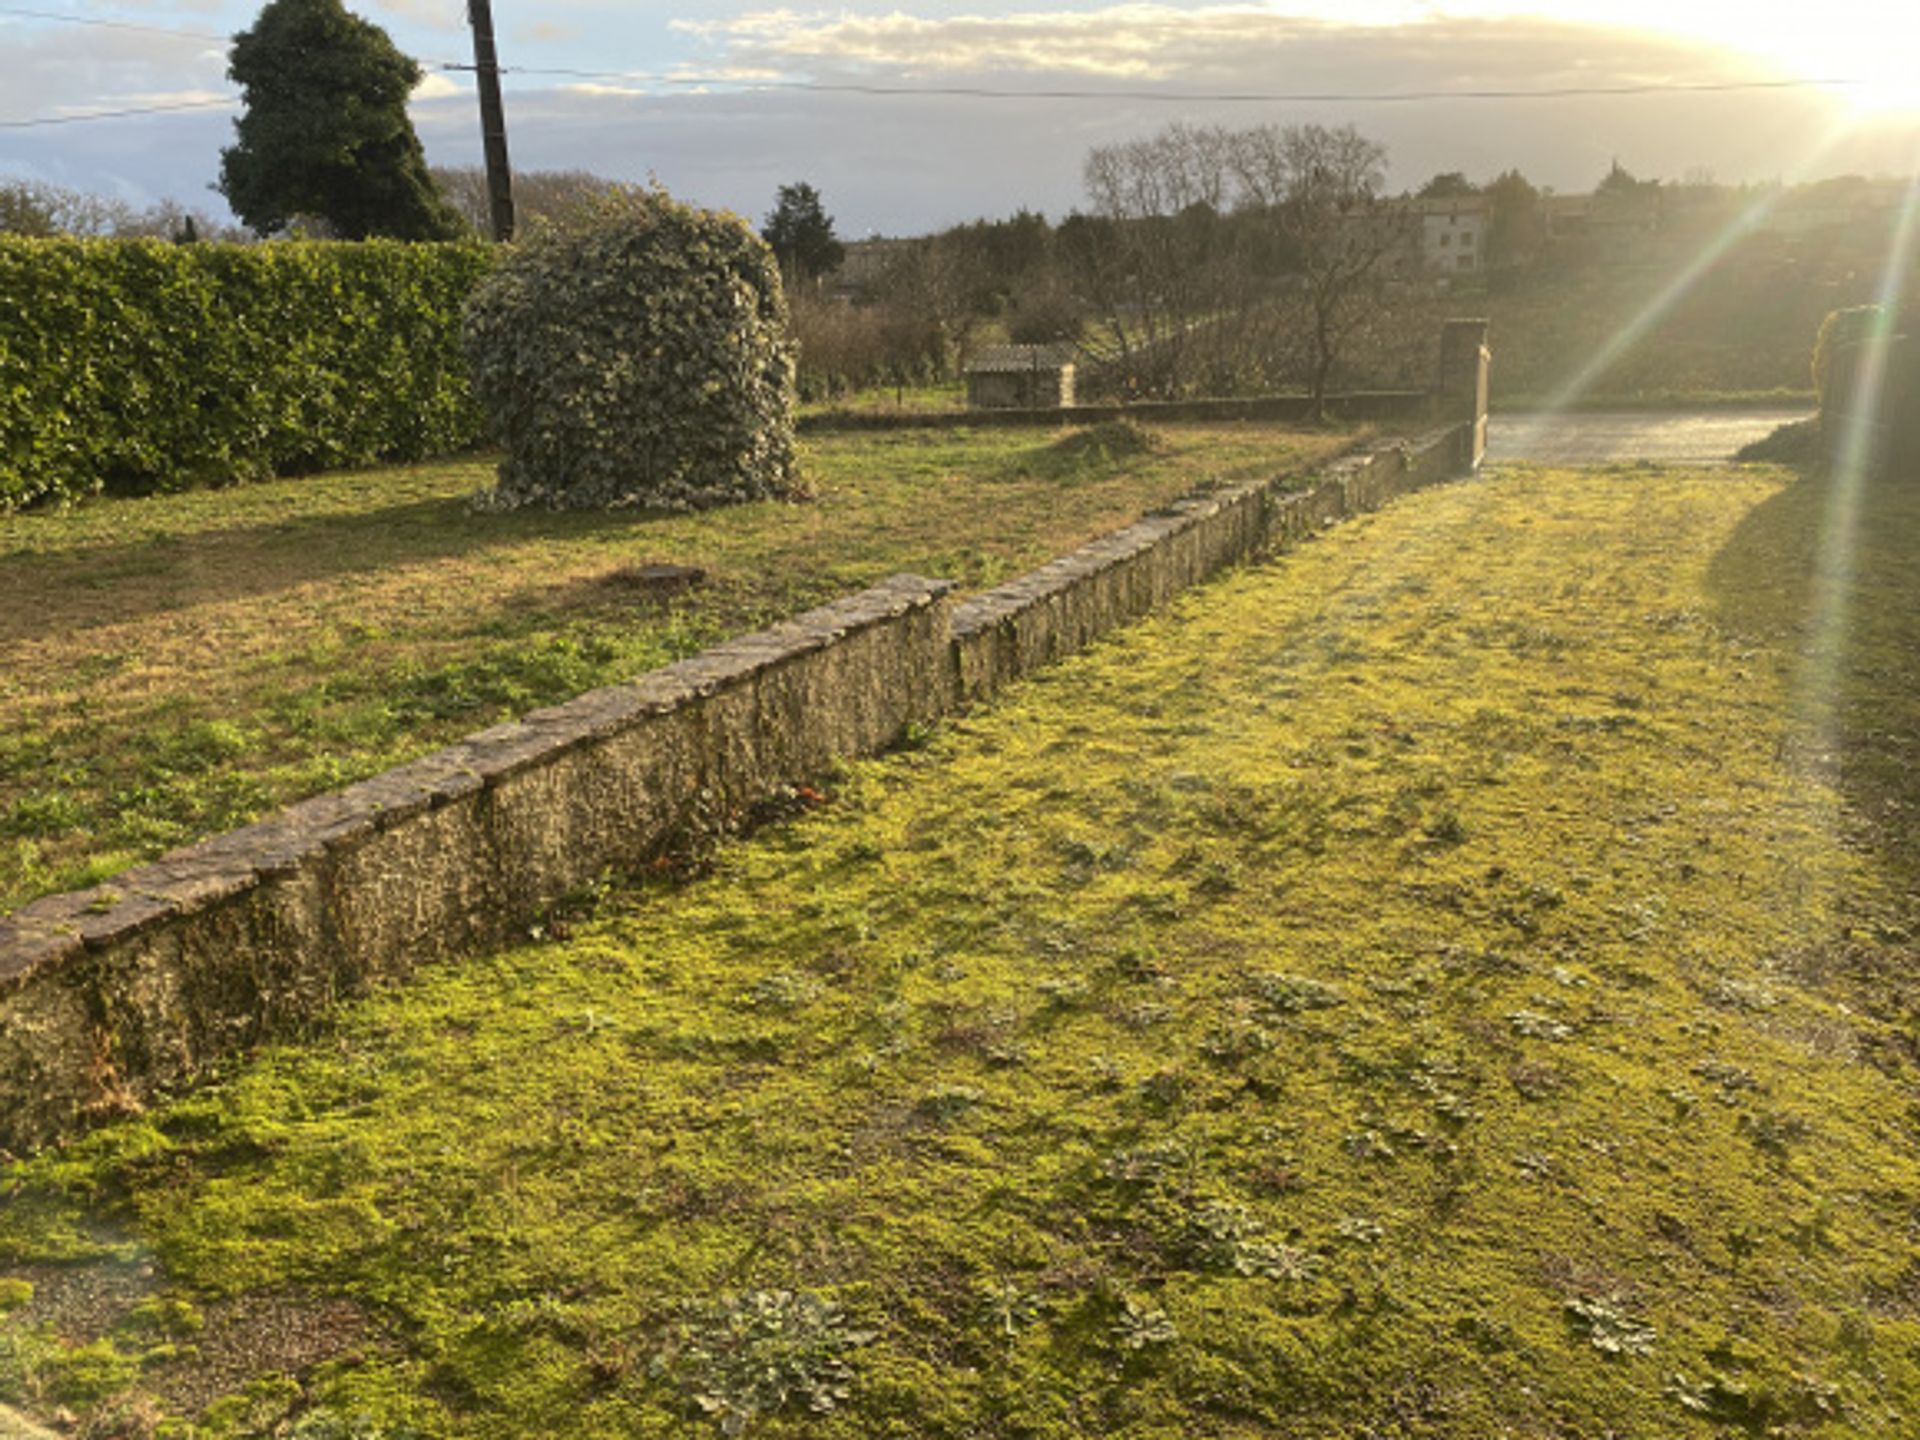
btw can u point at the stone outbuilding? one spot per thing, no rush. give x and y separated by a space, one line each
1020 377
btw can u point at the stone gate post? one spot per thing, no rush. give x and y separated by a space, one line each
1461 394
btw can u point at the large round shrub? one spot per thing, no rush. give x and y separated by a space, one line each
636 354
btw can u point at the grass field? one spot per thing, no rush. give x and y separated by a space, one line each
173 667
1448 982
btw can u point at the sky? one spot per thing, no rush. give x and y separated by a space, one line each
723 101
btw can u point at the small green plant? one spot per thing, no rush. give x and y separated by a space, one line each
783 990
1225 1236
329 1424
1535 1026
1773 1131
1148 1165
1293 994
1607 1326
1141 1325
744 1356
1008 1307
1064 993
949 1102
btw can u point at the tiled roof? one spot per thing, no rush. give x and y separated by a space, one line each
1019 358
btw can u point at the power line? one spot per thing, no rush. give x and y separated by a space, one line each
982 92
37 121
114 24
975 92
175 31
1185 97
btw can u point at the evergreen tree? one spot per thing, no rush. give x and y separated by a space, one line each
326 133
1447 185
801 232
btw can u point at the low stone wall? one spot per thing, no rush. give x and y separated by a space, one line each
1406 406
110 996
1067 603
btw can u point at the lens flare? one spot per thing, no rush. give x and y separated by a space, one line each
1538 422
1853 461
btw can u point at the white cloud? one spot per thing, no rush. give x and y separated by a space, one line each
436 86
592 87
434 14
1220 43
48 72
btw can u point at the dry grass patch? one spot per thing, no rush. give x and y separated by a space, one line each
173 667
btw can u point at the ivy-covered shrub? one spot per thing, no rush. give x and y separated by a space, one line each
139 365
636 354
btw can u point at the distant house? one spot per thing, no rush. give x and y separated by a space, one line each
1020 377
1445 235
1453 233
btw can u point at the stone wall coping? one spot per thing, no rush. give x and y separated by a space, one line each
1004 602
57 928
1357 404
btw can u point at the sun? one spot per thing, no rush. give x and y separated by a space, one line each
1866 48
1869 51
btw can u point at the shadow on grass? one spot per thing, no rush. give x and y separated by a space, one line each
1779 582
126 580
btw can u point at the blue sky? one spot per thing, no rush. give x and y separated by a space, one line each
674 93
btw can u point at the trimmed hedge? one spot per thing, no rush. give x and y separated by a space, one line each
138 365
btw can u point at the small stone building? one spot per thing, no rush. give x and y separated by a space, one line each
1020 377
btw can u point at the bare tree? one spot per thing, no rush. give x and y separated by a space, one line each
537 194
1320 189
32 207
1224 258
937 278
1158 267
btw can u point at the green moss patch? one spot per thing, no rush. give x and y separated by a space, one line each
1394 993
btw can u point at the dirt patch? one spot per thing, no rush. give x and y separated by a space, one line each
83 1302
260 1334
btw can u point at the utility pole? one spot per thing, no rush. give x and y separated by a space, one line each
493 120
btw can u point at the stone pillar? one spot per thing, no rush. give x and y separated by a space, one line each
1461 394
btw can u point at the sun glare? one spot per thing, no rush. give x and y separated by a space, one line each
1874 54
1868 44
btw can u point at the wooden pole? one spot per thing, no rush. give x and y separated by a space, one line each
493 120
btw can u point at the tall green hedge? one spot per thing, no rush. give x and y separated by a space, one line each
138 365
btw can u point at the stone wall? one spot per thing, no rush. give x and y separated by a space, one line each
1403 406
111 996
